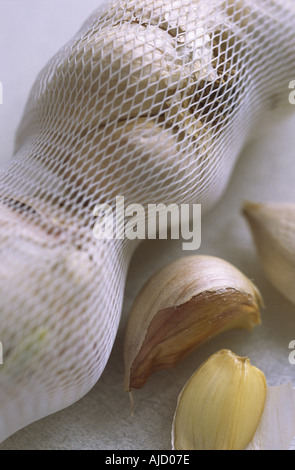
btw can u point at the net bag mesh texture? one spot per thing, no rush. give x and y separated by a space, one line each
152 100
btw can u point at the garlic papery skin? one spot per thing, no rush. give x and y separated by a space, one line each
220 406
273 231
182 305
276 429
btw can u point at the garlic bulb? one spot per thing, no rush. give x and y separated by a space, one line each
153 99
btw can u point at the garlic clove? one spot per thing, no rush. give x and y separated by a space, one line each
276 429
273 230
185 303
220 406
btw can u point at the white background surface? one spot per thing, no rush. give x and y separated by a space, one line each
31 31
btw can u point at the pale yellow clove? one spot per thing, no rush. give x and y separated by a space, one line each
221 405
185 303
273 230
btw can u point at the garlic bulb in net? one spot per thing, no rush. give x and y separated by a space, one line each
151 100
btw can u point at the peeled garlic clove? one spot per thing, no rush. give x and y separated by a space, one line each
220 406
273 230
182 305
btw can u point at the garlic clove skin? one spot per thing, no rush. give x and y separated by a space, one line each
276 429
185 303
220 406
273 231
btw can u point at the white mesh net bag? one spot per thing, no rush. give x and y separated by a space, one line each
152 100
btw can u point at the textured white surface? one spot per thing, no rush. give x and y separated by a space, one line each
265 172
